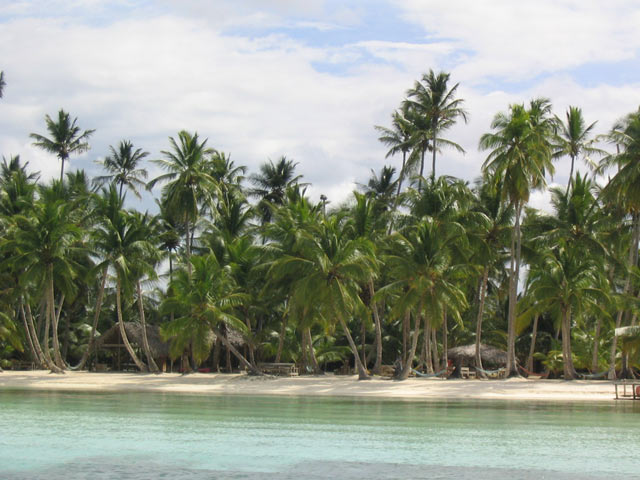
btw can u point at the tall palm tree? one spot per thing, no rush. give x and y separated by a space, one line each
66 138
44 242
189 183
519 158
122 166
272 183
573 139
397 139
432 98
624 191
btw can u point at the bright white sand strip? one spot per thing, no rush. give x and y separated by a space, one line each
326 385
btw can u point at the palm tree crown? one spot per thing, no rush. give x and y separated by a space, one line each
66 138
122 166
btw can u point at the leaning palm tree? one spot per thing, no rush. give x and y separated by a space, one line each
122 166
66 138
573 139
520 156
432 98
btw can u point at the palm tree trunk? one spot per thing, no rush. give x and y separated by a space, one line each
483 293
434 349
54 320
405 334
188 245
94 326
596 343
145 341
532 347
62 169
426 341
567 360
312 353
29 327
243 361
414 345
421 169
445 340
363 342
47 354
56 342
433 161
123 333
573 159
378 326
283 331
362 372
514 270
400 178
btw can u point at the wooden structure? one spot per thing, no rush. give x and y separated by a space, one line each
632 394
111 342
280 369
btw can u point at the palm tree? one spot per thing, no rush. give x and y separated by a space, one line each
623 190
397 139
189 181
519 159
122 166
329 268
565 284
573 139
66 138
433 99
201 302
425 270
44 244
272 183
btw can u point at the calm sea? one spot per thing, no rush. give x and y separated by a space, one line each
161 436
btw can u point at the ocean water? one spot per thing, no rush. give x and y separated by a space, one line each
162 436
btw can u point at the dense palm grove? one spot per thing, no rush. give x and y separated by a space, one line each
412 264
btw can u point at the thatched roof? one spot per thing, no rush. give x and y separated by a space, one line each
159 348
489 354
632 332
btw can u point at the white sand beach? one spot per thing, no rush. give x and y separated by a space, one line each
326 385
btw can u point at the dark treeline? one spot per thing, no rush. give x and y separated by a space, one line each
238 269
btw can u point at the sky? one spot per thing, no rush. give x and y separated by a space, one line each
305 79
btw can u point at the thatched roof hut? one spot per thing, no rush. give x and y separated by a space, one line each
111 339
467 354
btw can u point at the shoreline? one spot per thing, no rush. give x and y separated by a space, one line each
313 386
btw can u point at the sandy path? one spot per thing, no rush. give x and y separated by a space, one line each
327 385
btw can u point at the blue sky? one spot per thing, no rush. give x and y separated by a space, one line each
264 78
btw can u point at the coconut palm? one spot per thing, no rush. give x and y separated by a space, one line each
573 139
122 166
434 100
189 183
66 138
423 268
203 302
623 190
519 158
43 243
329 268
397 139
272 183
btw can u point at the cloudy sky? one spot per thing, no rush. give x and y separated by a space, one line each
306 79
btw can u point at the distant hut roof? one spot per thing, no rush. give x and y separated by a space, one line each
489 354
159 348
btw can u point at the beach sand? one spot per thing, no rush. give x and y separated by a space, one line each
325 385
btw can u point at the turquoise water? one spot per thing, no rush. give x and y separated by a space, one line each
151 436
